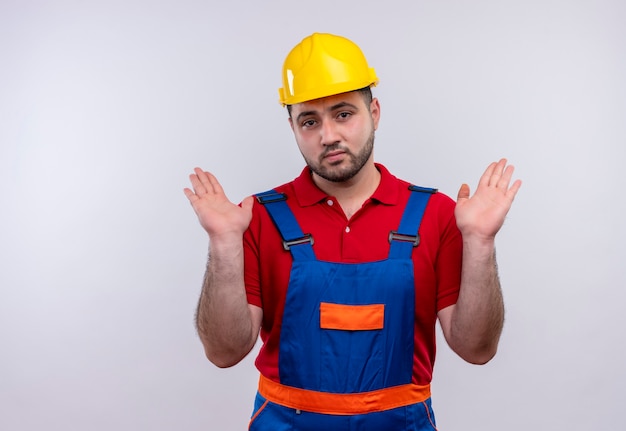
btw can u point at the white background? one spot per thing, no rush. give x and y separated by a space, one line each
105 108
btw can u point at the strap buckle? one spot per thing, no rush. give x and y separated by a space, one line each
415 188
303 240
270 198
396 236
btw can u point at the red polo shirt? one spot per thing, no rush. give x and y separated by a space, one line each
363 238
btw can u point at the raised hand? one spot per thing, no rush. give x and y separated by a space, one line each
482 215
217 215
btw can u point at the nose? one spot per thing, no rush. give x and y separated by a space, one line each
329 134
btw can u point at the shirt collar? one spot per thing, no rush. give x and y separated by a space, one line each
307 193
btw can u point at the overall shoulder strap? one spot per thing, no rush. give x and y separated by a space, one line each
407 236
299 244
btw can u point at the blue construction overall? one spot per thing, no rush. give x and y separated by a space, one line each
346 342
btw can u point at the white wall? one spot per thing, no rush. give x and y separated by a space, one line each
105 108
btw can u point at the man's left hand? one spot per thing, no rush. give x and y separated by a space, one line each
481 216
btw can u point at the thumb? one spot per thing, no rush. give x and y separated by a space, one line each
247 203
464 192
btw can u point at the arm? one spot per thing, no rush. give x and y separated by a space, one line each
472 326
227 325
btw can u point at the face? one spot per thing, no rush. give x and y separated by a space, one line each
335 134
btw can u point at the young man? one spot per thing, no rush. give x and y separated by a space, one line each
345 270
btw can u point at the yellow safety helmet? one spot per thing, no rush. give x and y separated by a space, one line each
324 65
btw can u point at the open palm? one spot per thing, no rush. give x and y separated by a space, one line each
217 215
483 214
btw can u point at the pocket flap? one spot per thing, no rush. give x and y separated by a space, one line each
352 317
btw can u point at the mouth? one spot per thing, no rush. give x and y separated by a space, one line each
333 156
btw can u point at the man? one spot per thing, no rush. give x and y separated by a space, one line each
345 270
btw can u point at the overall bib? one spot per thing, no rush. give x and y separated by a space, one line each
347 338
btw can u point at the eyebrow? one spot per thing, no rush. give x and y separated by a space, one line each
331 109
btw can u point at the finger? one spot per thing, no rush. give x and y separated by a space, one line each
464 192
190 195
512 192
485 179
505 179
498 172
203 179
198 186
209 181
247 203
216 187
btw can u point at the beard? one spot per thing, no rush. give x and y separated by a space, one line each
344 170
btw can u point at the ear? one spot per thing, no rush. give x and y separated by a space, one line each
291 123
375 112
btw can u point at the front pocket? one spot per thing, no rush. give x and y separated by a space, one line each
352 347
257 411
271 416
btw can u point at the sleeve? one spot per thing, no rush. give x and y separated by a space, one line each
450 256
251 253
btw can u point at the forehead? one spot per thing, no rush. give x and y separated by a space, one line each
328 103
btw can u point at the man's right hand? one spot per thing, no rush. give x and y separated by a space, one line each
217 215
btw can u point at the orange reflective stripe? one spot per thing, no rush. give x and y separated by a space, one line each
257 413
342 404
352 317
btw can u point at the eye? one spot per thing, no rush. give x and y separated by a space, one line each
308 123
344 115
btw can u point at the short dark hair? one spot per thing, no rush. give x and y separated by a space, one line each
366 93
